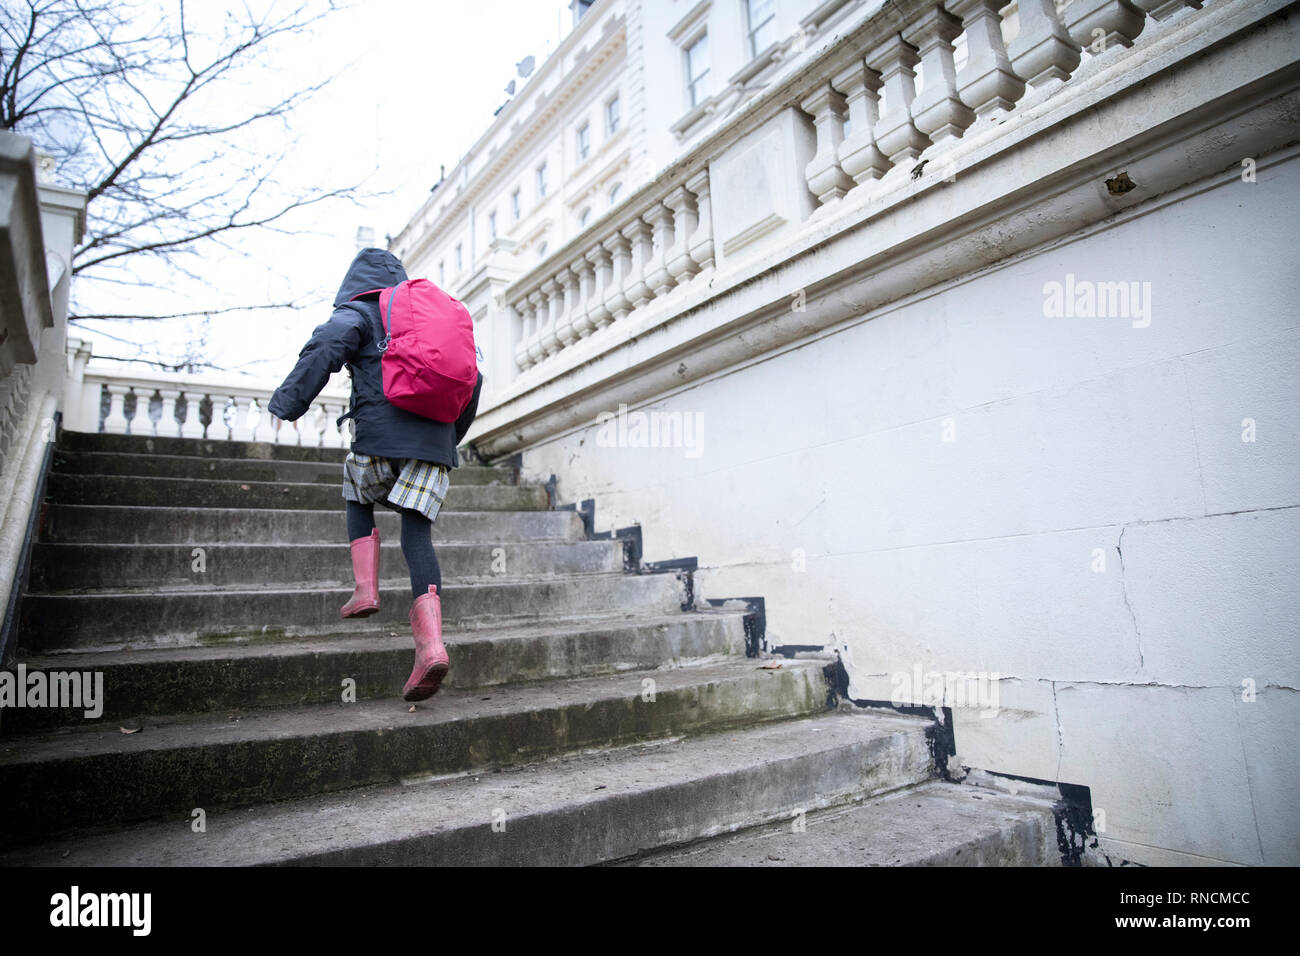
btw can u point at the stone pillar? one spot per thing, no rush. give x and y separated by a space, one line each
1110 23
895 134
192 427
701 241
1042 52
599 312
620 253
168 427
541 314
678 256
550 336
660 218
117 423
936 110
639 235
859 156
986 84
827 181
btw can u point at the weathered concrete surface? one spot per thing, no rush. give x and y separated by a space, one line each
148 683
219 493
61 567
189 615
115 524
934 824
237 469
98 776
216 634
579 809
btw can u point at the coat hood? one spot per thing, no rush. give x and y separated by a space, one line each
372 269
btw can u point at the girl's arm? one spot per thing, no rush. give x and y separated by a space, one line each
330 346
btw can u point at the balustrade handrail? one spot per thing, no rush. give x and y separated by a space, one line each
859 88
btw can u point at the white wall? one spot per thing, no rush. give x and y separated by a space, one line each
1077 441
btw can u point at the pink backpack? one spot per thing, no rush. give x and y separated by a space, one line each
428 362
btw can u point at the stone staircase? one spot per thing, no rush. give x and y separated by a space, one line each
589 717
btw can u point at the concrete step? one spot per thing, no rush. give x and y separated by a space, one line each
934 824
101 776
105 524
57 567
207 493
144 684
238 469
215 448
198 615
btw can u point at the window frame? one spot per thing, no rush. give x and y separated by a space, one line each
693 97
751 30
582 141
539 180
615 103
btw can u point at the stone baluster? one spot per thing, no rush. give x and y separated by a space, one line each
1042 52
1102 25
677 257
657 276
333 434
1164 9
936 110
701 241
264 428
600 260
895 133
540 313
567 328
827 181
116 423
554 304
620 261
585 274
859 156
525 313
192 427
241 425
640 237
311 427
986 84
167 426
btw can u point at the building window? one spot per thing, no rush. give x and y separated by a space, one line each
761 20
697 70
460 260
584 141
613 193
492 225
442 273
541 251
612 117
584 217
514 204
541 181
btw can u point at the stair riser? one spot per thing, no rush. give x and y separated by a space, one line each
65 621
147 445
1026 842
230 469
57 567
138 783
199 493
606 829
133 691
201 526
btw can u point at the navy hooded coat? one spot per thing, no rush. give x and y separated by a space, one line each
349 338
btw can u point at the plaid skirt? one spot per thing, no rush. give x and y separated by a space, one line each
396 482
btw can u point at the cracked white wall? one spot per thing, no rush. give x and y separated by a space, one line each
1097 531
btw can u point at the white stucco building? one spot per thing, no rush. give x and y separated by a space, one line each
963 334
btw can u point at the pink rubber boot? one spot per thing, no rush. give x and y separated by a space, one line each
431 661
365 568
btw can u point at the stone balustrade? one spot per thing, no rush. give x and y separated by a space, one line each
125 401
873 115
652 246
917 79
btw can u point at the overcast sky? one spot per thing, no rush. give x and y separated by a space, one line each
422 80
